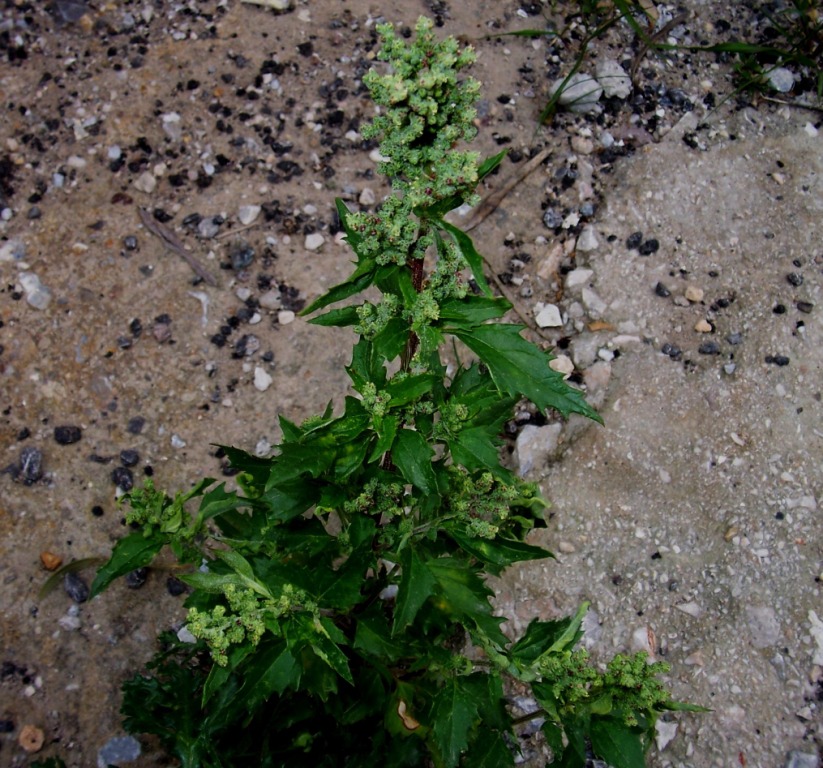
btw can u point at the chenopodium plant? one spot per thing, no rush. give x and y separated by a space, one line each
339 601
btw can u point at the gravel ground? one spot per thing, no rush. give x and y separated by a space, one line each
667 245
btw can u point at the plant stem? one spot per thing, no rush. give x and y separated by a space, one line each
416 266
531 716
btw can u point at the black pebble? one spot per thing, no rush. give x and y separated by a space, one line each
130 243
709 348
672 350
649 247
633 240
129 457
135 425
662 291
241 255
779 360
795 279
97 510
779 309
137 578
123 478
174 586
67 435
805 306
6 726
76 588
31 465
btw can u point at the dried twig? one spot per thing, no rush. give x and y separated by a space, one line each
173 243
489 205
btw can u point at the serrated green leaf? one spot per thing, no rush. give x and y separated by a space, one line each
213 583
324 643
543 637
475 449
453 714
131 552
465 595
386 430
390 342
416 586
473 258
472 310
412 455
489 750
358 281
373 637
290 498
216 502
553 734
616 743
339 318
271 670
519 367
410 388
499 553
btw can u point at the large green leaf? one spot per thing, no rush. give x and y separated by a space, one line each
472 310
489 750
339 318
416 586
413 457
543 637
453 714
465 595
373 637
499 553
290 498
519 367
614 742
475 449
271 669
131 552
358 281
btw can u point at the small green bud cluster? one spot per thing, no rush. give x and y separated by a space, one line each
374 401
635 684
569 674
375 317
427 112
245 618
378 499
483 502
154 510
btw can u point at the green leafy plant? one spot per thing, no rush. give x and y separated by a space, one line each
340 612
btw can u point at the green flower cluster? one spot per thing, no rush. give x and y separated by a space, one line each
635 685
629 684
246 618
374 317
482 502
377 499
428 110
154 511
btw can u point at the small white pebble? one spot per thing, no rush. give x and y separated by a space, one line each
262 379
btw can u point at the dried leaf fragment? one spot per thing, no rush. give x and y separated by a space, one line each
408 721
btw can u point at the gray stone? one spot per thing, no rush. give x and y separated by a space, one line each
248 213
37 295
763 625
580 94
121 749
613 78
798 759
549 317
587 240
536 445
781 79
